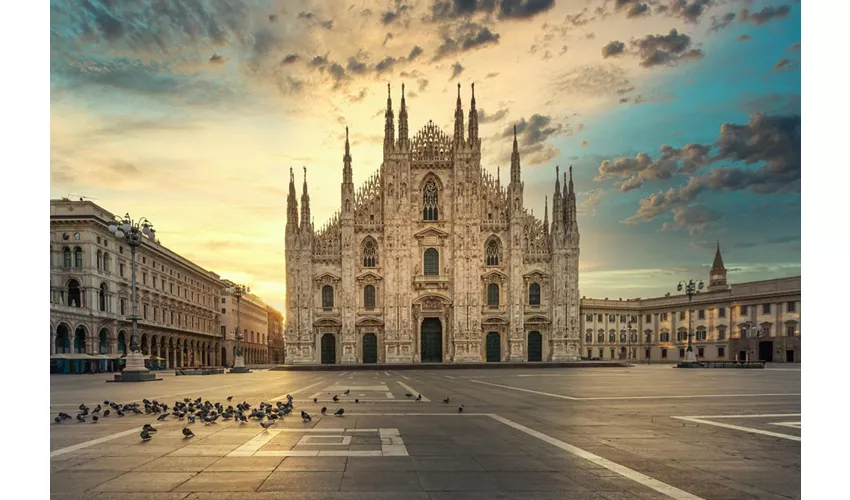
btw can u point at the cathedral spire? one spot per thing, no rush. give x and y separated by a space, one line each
305 204
458 121
473 119
515 167
557 207
572 223
546 215
402 121
346 162
292 203
389 127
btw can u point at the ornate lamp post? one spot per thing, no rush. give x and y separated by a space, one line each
238 291
131 232
691 288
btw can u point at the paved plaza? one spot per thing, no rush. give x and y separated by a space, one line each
597 433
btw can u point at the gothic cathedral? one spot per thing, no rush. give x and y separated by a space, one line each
432 260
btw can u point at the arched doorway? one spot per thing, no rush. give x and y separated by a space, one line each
63 345
74 296
223 356
370 348
494 348
103 348
432 341
535 346
80 347
328 349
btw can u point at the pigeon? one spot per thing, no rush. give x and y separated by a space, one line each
97 409
356 401
315 400
265 425
446 401
146 436
80 418
149 428
460 409
339 412
408 394
324 410
346 392
419 397
229 398
187 432
162 417
335 398
191 419
120 413
94 419
58 420
106 413
306 416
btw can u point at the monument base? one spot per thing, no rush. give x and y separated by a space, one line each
135 370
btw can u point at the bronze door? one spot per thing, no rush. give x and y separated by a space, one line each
370 348
328 349
432 341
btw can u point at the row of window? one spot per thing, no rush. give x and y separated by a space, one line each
721 313
370 255
721 353
682 335
369 296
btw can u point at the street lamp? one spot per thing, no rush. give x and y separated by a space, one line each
629 341
691 288
131 232
238 291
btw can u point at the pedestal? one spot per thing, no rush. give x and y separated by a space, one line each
239 366
690 357
135 370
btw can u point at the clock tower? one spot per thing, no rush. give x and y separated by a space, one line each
717 275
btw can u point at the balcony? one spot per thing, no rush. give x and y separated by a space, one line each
431 281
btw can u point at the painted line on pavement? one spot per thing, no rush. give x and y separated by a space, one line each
766 415
402 376
617 398
93 442
561 396
740 428
663 488
283 396
413 391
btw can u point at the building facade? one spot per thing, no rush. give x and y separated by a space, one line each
276 350
758 320
90 296
253 321
432 260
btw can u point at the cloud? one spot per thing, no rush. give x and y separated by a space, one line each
585 144
794 47
483 117
415 52
387 64
767 14
690 12
633 8
445 10
355 66
744 37
468 36
641 168
782 65
614 48
328 25
720 24
669 49
457 69
770 142
771 103
695 219
289 59
392 16
217 59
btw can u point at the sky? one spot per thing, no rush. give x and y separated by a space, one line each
681 120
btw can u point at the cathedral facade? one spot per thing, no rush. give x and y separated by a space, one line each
432 260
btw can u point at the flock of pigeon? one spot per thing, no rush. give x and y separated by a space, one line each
190 410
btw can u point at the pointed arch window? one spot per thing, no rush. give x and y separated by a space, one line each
369 297
370 253
66 257
327 297
429 201
492 253
432 262
534 294
74 295
78 257
492 295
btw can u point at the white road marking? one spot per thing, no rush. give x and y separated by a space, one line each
795 425
392 444
390 395
619 398
413 391
296 391
449 376
402 376
765 415
387 374
527 390
740 428
93 442
663 488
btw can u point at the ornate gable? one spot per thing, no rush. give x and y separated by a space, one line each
327 279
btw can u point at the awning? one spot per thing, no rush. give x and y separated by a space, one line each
77 355
59 355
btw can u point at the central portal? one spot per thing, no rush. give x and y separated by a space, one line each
328 349
432 340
